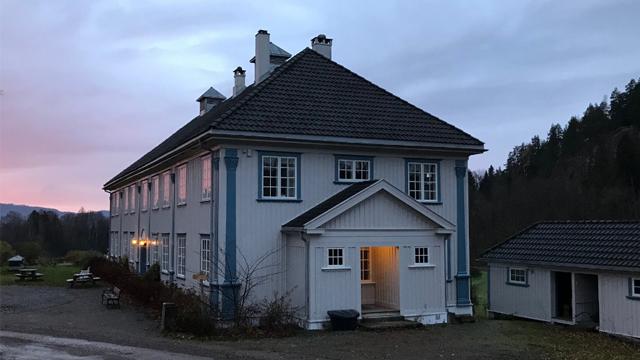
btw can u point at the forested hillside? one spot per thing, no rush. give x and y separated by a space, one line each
586 169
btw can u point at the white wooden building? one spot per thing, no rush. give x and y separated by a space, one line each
358 198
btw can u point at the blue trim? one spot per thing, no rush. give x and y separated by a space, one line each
438 200
228 299
298 197
462 277
448 243
337 157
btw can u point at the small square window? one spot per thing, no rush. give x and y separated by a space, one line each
335 257
421 255
517 276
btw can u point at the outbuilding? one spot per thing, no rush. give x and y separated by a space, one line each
570 272
16 262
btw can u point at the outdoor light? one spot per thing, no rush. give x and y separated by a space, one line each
134 242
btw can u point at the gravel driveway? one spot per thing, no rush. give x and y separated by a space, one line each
78 314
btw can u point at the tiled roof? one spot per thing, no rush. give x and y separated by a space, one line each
328 204
312 95
592 244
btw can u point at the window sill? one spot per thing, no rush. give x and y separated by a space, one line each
516 284
166 206
181 277
155 208
182 204
144 210
429 202
278 200
336 268
421 266
203 201
164 272
348 182
634 297
367 282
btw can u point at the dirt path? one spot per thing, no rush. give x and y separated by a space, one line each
77 314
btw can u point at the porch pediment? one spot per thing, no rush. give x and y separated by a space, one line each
369 205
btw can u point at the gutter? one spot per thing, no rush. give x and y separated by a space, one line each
563 265
160 158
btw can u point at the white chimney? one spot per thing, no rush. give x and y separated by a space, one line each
262 59
322 45
239 84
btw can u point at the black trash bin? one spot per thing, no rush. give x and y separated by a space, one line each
343 319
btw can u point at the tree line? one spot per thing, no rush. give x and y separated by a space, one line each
587 169
44 234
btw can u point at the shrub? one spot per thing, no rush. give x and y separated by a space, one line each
30 250
6 251
278 315
153 273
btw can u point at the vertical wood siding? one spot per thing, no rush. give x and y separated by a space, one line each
618 314
532 302
386 275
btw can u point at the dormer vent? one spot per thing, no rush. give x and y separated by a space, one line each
209 100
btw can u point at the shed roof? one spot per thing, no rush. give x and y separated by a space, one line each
606 244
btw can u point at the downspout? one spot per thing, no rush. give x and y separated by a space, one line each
306 274
173 229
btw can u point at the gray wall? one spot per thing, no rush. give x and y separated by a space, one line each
618 314
532 302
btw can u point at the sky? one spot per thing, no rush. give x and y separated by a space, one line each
87 87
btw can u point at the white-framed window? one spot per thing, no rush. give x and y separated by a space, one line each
132 198
205 254
420 255
126 200
182 184
335 257
182 254
165 252
166 189
365 264
206 177
145 195
279 177
155 191
518 276
635 287
153 252
131 247
353 170
422 181
115 203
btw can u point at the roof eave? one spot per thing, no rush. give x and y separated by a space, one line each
562 265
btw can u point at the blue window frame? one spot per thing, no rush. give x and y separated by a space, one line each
351 168
422 180
279 176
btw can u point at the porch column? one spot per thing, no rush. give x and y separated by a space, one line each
462 275
230 286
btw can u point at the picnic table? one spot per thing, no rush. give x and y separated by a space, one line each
83 277
28 274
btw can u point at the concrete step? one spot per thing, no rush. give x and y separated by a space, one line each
392 324
381 316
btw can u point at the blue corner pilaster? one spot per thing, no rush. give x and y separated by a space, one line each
462 275
230 286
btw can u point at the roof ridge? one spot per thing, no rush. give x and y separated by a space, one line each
395 96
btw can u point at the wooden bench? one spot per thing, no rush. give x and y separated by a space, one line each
111 297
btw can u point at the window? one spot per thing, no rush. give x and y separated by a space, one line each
517 276
145 195
182 253
335 257
421 255
132 249
205 254
165 252
422 181
126 201
279 177
155 189
353 170
115 203
182 185
153 253
132 199
166 186
365 264
206 178
635 287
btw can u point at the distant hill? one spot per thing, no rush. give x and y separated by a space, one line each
25 210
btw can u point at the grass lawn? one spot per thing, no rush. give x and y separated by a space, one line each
53 276
479 293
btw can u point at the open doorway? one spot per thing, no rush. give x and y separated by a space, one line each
587 304
563 296
379 279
